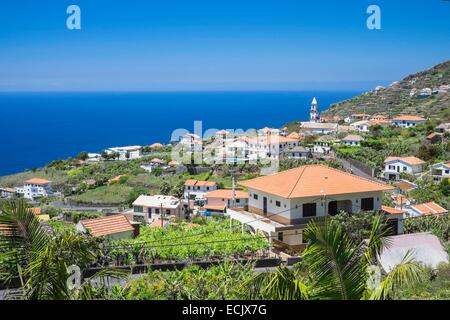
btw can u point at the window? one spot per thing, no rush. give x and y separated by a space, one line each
157 210
367 204
138 209
207 188
238 200
278 203
255 196
404 168
280 236
309 210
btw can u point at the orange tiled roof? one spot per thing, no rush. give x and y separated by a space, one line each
107 225
429 208
312 181
410 118
227 194
36 211
220 207
37 181
156 145
200 183
391 210
294 135
380 122
409 160
360 115
379 116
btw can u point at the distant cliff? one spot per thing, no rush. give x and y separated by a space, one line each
408 96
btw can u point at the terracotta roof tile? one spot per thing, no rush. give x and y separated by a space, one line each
409 160
227 194
311 181
37 181
429 208
107 225
409 118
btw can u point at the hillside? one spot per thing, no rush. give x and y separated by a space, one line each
396 99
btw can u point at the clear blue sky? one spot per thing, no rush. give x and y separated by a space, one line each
217 44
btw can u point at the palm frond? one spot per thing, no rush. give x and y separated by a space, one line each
407 273
333 262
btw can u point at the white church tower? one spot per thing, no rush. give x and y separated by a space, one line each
314 112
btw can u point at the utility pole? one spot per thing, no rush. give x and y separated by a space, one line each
161 216
233 191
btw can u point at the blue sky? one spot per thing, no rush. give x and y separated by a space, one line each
217 45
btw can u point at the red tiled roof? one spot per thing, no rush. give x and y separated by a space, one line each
429 208
219 207
37 181
36 211
312 181
107 225
391 210
409 118
409 160
227 194
200 183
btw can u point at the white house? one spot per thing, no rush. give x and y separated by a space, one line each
352 140
35 188
93 157
191 142
8 192
319 127
298 152
282 204
269 146
197 189
147 206
126 153
362 126
323 144
394 166
408 121
443 128
441 171
219 200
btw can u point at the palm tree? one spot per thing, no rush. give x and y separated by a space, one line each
333 267
41 258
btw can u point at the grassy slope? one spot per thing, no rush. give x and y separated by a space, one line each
395 100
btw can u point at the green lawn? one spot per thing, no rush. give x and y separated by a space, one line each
113 194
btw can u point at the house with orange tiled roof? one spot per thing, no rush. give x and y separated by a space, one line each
394 166
219 200
197 189
426 209
113 227
35 188
282 204
441 171
8 192
407 121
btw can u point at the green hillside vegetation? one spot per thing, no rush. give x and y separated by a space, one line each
395 99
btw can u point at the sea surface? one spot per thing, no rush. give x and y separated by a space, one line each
36 128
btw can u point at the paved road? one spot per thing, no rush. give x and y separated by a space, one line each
348 166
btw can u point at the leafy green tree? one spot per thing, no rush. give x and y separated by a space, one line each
82 156
40 258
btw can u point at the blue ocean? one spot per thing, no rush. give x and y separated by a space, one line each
36 128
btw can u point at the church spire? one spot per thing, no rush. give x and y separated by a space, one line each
314 111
